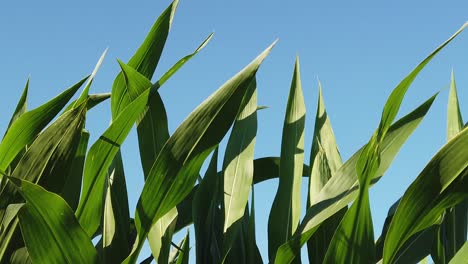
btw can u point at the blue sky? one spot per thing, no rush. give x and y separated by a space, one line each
359 50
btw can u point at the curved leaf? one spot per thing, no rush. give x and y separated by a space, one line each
184 153
25 129
50 230
442 184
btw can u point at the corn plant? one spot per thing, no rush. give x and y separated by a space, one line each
58 194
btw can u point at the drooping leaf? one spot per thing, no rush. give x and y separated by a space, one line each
238 166
50 230
25 129
20 107
98 160
184 153
285 212
311 221
442 183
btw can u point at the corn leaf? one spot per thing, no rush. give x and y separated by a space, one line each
182 61
325 160
415 249
454 228
308 227
50 230
285 212
183 257
98 161
207 215
461 256
72 188
48 159
20 256
25 129
115 240
238 166
441 184
145 59
341 189
8 229
20 107
184 153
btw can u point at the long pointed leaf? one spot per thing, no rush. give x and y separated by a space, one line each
285 212
238 166
388 115
27 126
341 189
183 154
20 107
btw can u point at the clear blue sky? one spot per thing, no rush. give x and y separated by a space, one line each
360 50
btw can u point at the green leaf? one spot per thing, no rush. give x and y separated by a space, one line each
20 256
183 257
98 161
238 166
145 59
47 161
462 255
182 61
454 117
85 94
342 189
72 188
454 227
160 236
415 249
8 228
116 218
325 160
50 230
184 153
25 129
389 113
207 215
441 184
252 252
286 209
20 107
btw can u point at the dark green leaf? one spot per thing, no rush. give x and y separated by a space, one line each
50 230
184 153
